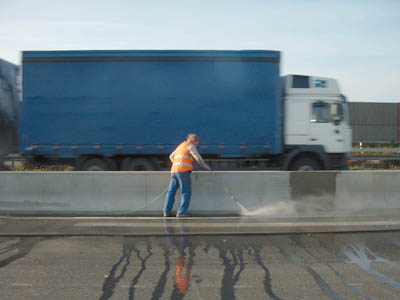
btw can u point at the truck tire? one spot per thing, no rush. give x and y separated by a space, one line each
136 164
305 164
98 164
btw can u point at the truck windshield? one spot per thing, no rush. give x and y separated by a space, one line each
323 112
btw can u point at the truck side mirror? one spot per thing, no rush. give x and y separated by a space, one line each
336 120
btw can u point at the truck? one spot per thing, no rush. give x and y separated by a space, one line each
128 110
8 109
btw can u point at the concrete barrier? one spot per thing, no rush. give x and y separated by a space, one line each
273 194
368 190
80 192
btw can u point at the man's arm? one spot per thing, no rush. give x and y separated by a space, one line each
193 152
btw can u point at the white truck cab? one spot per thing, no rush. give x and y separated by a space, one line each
316 120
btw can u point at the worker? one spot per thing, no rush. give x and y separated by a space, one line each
182 166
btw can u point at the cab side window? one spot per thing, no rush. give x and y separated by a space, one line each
321 112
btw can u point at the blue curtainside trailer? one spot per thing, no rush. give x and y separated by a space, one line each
127 110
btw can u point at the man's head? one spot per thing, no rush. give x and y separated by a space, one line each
193 138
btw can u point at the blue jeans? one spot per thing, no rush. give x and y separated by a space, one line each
182 180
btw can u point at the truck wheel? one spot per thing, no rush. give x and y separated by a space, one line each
136 164
98 164
305 164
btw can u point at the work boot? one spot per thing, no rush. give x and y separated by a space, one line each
184 216
169 215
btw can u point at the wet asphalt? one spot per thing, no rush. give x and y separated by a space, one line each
179 265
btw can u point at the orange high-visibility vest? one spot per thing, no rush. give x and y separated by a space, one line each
183 161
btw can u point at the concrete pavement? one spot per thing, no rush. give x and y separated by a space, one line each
156 226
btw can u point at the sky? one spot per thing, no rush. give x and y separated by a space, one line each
356 42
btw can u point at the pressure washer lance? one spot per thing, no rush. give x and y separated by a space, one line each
243 209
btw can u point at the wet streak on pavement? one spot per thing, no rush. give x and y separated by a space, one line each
267 279
359 255
22 246
321 266
230 278
142 267
160 287
299 242
129 247
322 284
111 279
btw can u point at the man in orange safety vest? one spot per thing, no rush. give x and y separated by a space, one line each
182 165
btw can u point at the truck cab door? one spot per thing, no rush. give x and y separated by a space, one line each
328 126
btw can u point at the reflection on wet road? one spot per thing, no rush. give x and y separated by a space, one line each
296 266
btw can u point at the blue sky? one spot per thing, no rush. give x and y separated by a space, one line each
356 42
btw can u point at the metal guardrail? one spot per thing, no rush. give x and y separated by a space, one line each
377 154
376 150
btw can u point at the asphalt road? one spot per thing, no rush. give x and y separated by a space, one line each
268 266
